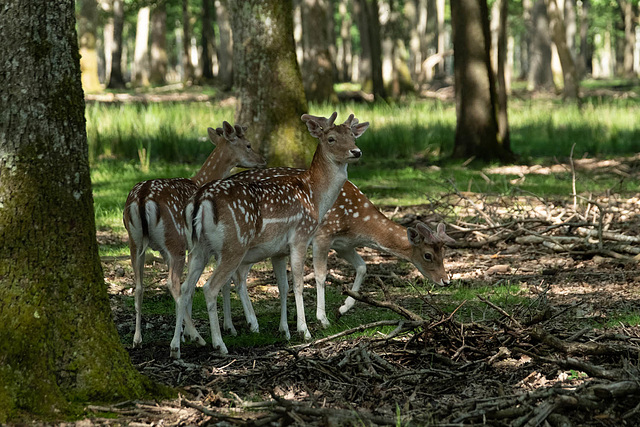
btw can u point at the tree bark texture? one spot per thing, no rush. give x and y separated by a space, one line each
317 66
372 33
159 58
475 92
87 22
58 343
270 91
116 79
225 49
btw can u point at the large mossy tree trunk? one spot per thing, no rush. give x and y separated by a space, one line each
270 91
475 89
58 342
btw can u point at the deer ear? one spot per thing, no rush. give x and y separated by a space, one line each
229 131
414 236
315 129
219 131
426 233
359 128
213 135
442 236
239 130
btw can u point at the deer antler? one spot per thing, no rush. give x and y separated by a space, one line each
322 121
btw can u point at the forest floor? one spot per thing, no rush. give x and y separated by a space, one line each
561 347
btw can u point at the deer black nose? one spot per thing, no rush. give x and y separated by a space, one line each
356 153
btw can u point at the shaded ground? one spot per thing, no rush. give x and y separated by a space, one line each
555 348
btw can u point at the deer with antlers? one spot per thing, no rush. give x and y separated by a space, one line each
354 221
241 223
153 213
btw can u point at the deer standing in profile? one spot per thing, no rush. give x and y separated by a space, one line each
153 213
241 223
352 222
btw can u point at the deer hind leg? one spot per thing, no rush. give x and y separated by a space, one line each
198 261
240 279
280 269
352 257
227 323
137 262
221 275
176 266
320 255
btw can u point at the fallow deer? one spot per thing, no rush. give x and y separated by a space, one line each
241 223
353 221
153 213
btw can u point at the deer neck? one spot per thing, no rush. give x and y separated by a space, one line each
325 178
217 166
387 236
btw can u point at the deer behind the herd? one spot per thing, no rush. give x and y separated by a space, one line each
272 213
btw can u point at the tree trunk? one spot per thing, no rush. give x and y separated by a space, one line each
540 75
344 52
503 88
208 40
559 34
270 91
141 53
189 70
584 59
364 63
440 12
317 66
87 20
159 57
107 37
370 31
477 126
57 338
116 80
629 17
225 50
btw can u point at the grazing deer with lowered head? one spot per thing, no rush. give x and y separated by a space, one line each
153 213
241 223
352 222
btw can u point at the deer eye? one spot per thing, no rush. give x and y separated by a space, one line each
331 140
248 146
428 257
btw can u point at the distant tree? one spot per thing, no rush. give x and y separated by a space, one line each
58 342
159 60
225 48
369 26
116 79
540 75
317 65
571 90
208 40
141 53
477 126
87 33
189 70
270 91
